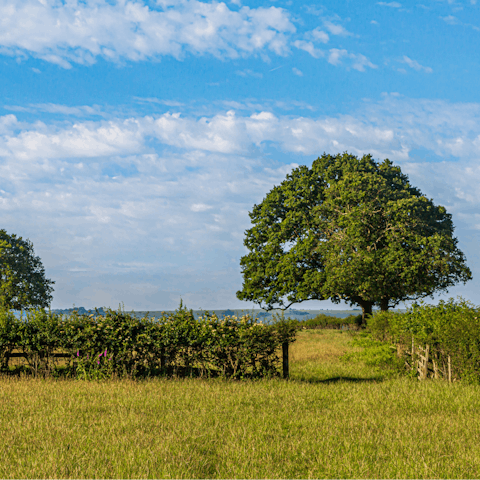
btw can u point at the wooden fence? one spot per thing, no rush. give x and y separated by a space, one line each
38 359
427 362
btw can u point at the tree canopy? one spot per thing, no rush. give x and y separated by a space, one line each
22 276
349 229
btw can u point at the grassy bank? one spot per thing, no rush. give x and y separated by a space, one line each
332 419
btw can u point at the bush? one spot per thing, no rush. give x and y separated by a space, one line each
451 329
328 321
122 345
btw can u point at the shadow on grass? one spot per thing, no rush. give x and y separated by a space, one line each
328 381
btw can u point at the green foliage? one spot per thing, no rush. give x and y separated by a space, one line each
97 367
9 335
118 344
373 352
451 328
348 229
329 321
22 276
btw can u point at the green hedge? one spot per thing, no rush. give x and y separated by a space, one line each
451 329
122 345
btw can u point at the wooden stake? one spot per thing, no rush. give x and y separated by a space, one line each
435 369
285 359
425 367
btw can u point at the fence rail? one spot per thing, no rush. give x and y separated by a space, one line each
426 361
24 355
21 354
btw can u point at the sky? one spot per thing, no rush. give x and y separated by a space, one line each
136 135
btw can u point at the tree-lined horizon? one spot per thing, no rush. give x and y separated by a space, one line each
349 229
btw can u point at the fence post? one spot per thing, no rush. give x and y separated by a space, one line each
285 359
435 369
422 365
449 369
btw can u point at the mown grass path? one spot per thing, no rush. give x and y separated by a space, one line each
331 420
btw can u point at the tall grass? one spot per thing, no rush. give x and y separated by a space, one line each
333 419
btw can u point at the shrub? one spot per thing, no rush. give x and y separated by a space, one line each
451 329
328 321
174 344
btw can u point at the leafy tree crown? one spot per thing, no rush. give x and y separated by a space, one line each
349 229
22 277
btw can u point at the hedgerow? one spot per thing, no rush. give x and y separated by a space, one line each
120 344
328 321
451 330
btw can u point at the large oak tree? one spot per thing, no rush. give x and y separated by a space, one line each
349 229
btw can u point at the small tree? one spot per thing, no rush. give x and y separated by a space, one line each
22 276
349 229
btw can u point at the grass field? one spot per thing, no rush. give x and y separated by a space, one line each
332 419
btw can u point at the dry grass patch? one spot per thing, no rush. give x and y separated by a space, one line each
319 346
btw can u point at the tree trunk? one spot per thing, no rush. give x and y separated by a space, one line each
366 311
384 304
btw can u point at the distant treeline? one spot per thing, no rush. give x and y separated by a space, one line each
255 313
327 321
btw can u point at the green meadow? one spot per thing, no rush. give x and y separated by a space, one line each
334 418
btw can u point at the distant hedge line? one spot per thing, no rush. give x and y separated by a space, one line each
327 321
450 329
120 344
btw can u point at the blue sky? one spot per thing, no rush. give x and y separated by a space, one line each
135 136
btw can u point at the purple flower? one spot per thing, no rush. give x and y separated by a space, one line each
78 353
105 353
98 361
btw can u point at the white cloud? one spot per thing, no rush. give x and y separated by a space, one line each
65 33
451 20
336 55
249 73
57 108
297 72
200 207
391 126
81 31
390 4
88 139
168 103
319 35
415 65
336 29
309 47
358 61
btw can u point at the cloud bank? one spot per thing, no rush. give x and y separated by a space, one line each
79 32
144 202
